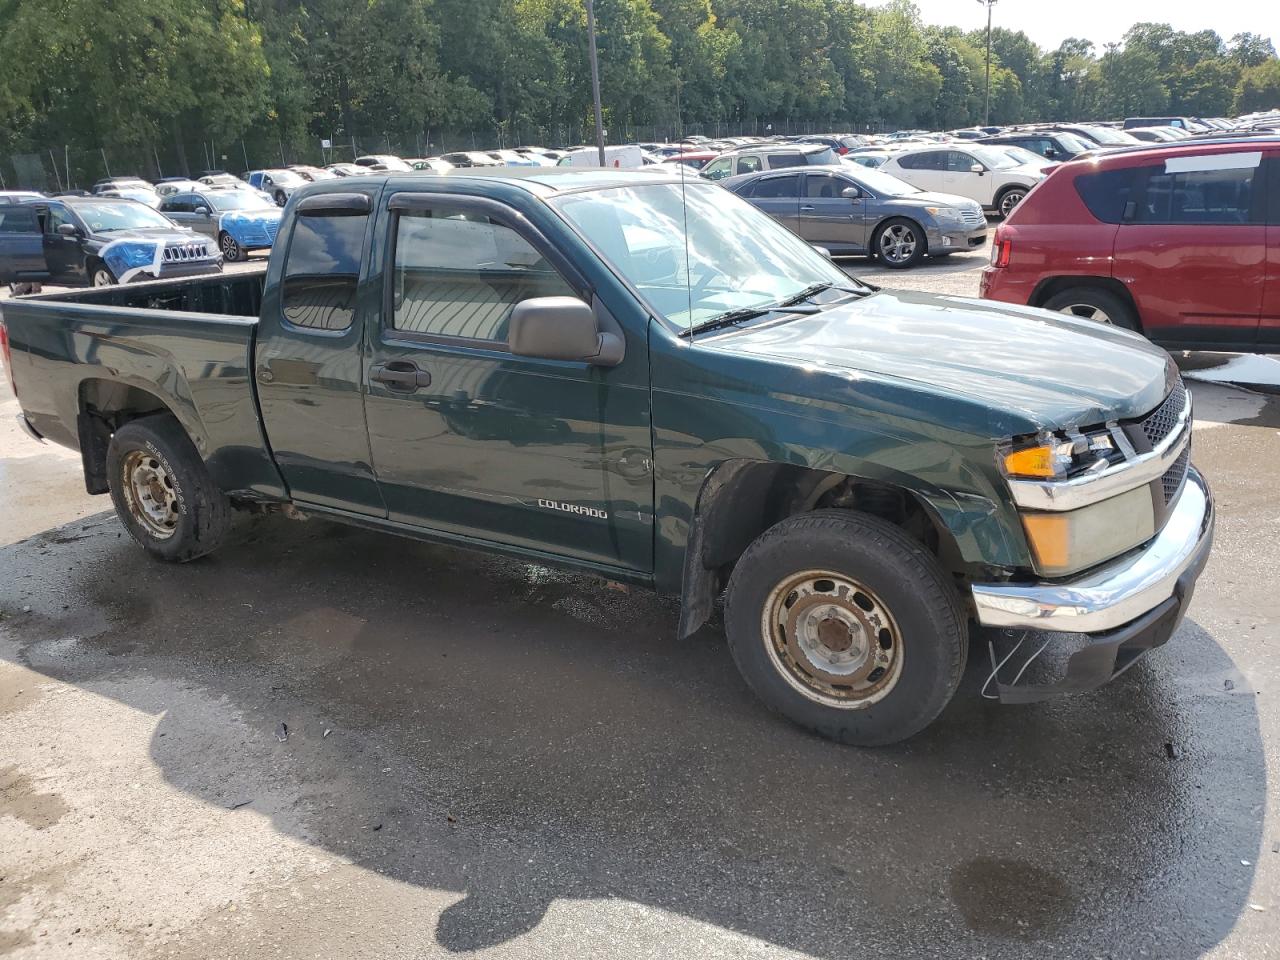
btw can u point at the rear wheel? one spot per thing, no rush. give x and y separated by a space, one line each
847 626
1093 303
163 492
899 243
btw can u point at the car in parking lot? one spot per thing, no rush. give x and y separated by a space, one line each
1179 241
1050 144
238 220
383 161
864 212
772 156
985 174
278 184
129 188
98 241
1163 134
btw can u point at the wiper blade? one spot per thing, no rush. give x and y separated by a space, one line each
810 291
727 319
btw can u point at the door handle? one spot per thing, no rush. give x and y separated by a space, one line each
400 375
806 209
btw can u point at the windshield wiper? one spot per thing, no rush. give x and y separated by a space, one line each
810 291
727 319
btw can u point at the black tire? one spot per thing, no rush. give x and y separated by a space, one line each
199 514
100 274
900 228
1094 303
1008 199
930 628
232 252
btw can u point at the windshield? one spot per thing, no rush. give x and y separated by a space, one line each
992 158
239 200
1022 154
107 217
884 184
699 259
285 178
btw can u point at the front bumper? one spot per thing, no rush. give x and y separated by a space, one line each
1128 606
949 237
191 268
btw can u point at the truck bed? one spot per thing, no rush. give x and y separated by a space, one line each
185 346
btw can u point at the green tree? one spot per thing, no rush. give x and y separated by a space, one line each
1251 49
1259 88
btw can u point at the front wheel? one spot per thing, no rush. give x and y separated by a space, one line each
1010 199
844 624
231 251
163 492
101 276
1092 303
899 243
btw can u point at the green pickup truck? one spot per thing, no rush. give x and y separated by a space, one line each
640 376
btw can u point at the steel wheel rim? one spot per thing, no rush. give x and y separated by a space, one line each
1087 311
230 249
102 278
832 639
149 494
1009 201
897 243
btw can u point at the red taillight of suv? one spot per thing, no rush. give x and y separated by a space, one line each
8 357
1001 251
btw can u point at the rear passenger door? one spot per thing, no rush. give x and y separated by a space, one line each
1192 249
779 196
21 245
471 440
309 364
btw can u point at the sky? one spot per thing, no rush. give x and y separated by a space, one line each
1049 22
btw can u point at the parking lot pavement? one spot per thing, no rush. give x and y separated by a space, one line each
326 742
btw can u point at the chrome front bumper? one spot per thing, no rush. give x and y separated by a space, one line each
1119 592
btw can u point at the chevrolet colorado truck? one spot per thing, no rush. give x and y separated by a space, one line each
641 376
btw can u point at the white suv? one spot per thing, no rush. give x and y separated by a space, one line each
985 174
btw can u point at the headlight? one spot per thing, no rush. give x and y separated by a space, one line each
1073 540
949 213
1059 456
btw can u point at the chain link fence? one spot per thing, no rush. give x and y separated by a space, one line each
57 168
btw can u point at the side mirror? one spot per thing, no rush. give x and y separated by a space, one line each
561 328
850 193
68 230
202 210
978 168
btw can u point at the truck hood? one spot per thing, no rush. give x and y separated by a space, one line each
1031 368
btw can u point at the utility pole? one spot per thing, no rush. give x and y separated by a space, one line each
595 77
989 4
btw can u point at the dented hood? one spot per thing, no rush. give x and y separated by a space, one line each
1046 369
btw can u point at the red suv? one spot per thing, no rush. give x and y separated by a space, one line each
1179 241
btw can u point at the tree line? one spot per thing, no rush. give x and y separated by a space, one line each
148 75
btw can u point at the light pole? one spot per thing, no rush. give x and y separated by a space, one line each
989 4
595 76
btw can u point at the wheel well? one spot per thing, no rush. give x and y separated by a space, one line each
1055 285
105 407
1011 186
742 499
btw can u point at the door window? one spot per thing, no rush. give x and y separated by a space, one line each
777 187
459 275
322 271
18 220
958 162
1198 196
56 217
824 186
748 164
716 170
931 160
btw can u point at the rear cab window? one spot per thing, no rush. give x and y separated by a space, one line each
322 269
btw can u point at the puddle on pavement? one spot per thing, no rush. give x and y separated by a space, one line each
1010 898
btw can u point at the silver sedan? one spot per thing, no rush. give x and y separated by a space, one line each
854 211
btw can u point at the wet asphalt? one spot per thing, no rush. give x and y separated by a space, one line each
486 757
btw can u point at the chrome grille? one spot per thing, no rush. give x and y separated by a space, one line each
1172 480
181 253
973 218
1159 424
271 228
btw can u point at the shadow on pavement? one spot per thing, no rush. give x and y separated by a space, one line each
519 735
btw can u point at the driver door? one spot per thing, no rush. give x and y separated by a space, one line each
64 255
470 439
